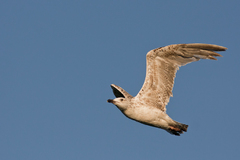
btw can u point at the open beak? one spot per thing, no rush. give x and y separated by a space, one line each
110 100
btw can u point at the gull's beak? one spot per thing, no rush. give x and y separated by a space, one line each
110 100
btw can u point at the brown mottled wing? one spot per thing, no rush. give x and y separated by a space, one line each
162 65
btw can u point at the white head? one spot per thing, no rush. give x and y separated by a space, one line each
120 102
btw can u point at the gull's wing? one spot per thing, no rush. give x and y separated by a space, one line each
162 65
119 92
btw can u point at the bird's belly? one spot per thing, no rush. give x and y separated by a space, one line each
147 115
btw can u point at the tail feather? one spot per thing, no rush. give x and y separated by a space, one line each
178 128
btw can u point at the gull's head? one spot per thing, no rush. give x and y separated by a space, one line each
120 102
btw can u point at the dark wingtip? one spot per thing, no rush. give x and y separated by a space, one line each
117 91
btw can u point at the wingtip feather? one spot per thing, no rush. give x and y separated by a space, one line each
211 47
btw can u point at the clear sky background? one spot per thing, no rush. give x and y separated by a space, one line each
58 59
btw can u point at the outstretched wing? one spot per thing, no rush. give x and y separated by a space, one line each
162 65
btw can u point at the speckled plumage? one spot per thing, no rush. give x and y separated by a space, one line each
149 105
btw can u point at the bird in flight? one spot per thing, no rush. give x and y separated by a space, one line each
149 105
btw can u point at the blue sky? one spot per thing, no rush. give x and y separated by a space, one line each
58 59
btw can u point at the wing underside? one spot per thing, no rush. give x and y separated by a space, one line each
162 65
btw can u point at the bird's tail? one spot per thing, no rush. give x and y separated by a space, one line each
177 128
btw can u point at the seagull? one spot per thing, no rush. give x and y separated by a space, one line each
149 105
